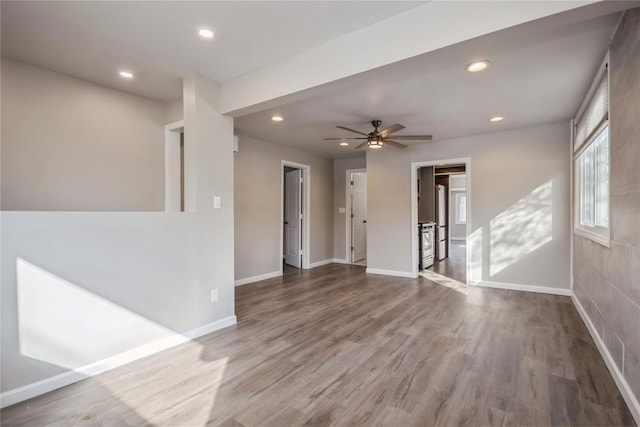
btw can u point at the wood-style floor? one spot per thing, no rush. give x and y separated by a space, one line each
454 266
335 346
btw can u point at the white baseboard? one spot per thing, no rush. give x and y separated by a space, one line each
525 288
623 386
458 239
28 391
391 273
321 263
257 278
341 261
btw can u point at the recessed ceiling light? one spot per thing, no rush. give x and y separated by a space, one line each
344 143
474 67
126 74
205 33
496 119
277 118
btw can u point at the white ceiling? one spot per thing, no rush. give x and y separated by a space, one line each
158 41
538 74
539 70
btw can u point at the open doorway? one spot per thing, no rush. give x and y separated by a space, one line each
356 229
295 215
440 208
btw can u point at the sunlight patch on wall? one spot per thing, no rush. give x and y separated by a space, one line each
474 243
521 229
65 325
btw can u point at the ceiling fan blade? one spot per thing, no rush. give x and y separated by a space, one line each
391 129
351 130
362 145
394 143
339 139
414 137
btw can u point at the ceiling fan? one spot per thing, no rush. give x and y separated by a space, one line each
378 138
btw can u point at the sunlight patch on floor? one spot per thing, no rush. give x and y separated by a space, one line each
445 281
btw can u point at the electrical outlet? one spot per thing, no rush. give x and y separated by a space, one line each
214 295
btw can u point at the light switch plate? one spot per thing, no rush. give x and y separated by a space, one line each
217 203
342 210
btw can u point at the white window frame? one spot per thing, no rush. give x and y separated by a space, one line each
457 195
598 234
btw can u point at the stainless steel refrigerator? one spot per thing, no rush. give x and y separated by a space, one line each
441 222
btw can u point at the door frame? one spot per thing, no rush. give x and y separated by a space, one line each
414 208
348 172
173 191
306 212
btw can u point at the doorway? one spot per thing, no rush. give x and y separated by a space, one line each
440 202
356 229
295 215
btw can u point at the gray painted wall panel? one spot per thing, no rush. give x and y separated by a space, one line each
519 195
607 280
258 187
71 145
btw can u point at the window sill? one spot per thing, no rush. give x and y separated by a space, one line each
599 238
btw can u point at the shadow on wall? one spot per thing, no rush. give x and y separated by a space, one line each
62 324
513 234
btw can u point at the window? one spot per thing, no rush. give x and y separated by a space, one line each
591 165
460 207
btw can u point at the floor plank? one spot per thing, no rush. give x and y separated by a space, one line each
335 346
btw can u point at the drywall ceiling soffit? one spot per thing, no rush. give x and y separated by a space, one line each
157 40
426 28
539 73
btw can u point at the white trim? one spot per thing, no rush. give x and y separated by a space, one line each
172 166
347 227
601 238
391 273
321 263
340 261
525 288
28 391
257 278
306 210
414 207
175 126
623 386
461 239
572 184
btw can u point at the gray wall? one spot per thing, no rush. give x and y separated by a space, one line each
79 287
174 111
607 280
70 145
340 167
258 188
519 190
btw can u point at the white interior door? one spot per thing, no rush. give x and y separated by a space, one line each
359 216
293 218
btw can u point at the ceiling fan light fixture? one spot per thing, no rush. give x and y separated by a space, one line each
344 144
476 66
496 119
277 118
375 143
